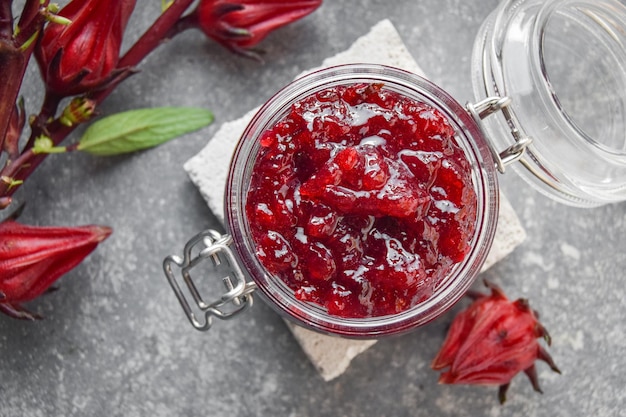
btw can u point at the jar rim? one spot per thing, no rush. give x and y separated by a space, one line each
450 289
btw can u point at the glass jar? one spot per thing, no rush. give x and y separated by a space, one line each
563 64
469 137
551 76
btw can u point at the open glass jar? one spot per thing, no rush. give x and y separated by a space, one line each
518 68
563 65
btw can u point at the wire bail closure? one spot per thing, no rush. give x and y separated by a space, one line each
210 247
486 108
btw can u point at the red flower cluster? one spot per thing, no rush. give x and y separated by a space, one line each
492 341
77 49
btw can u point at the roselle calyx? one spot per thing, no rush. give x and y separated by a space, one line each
82 55
32 258
241 24
492 341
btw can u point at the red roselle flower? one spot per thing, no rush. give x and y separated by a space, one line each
492 341
33 258
83 55
241 24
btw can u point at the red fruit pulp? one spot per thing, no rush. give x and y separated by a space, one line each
361 200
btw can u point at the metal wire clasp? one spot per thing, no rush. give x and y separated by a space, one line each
211 247
489 106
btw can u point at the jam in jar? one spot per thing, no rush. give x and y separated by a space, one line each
361 200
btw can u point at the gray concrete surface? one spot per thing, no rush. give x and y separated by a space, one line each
114 341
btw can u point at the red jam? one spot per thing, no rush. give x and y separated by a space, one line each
361 200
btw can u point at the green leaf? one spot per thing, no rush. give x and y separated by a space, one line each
141 129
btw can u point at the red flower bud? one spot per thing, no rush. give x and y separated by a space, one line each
32 258
79 110
240 25
492 341
82 55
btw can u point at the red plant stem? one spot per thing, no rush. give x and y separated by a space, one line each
6 20
40 124
13 64
159 31
5 202
13 168
31 20
12 67
10 64
156 34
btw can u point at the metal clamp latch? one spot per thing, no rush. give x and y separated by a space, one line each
489 106
210 246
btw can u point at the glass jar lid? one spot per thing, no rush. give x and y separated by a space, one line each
563 64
